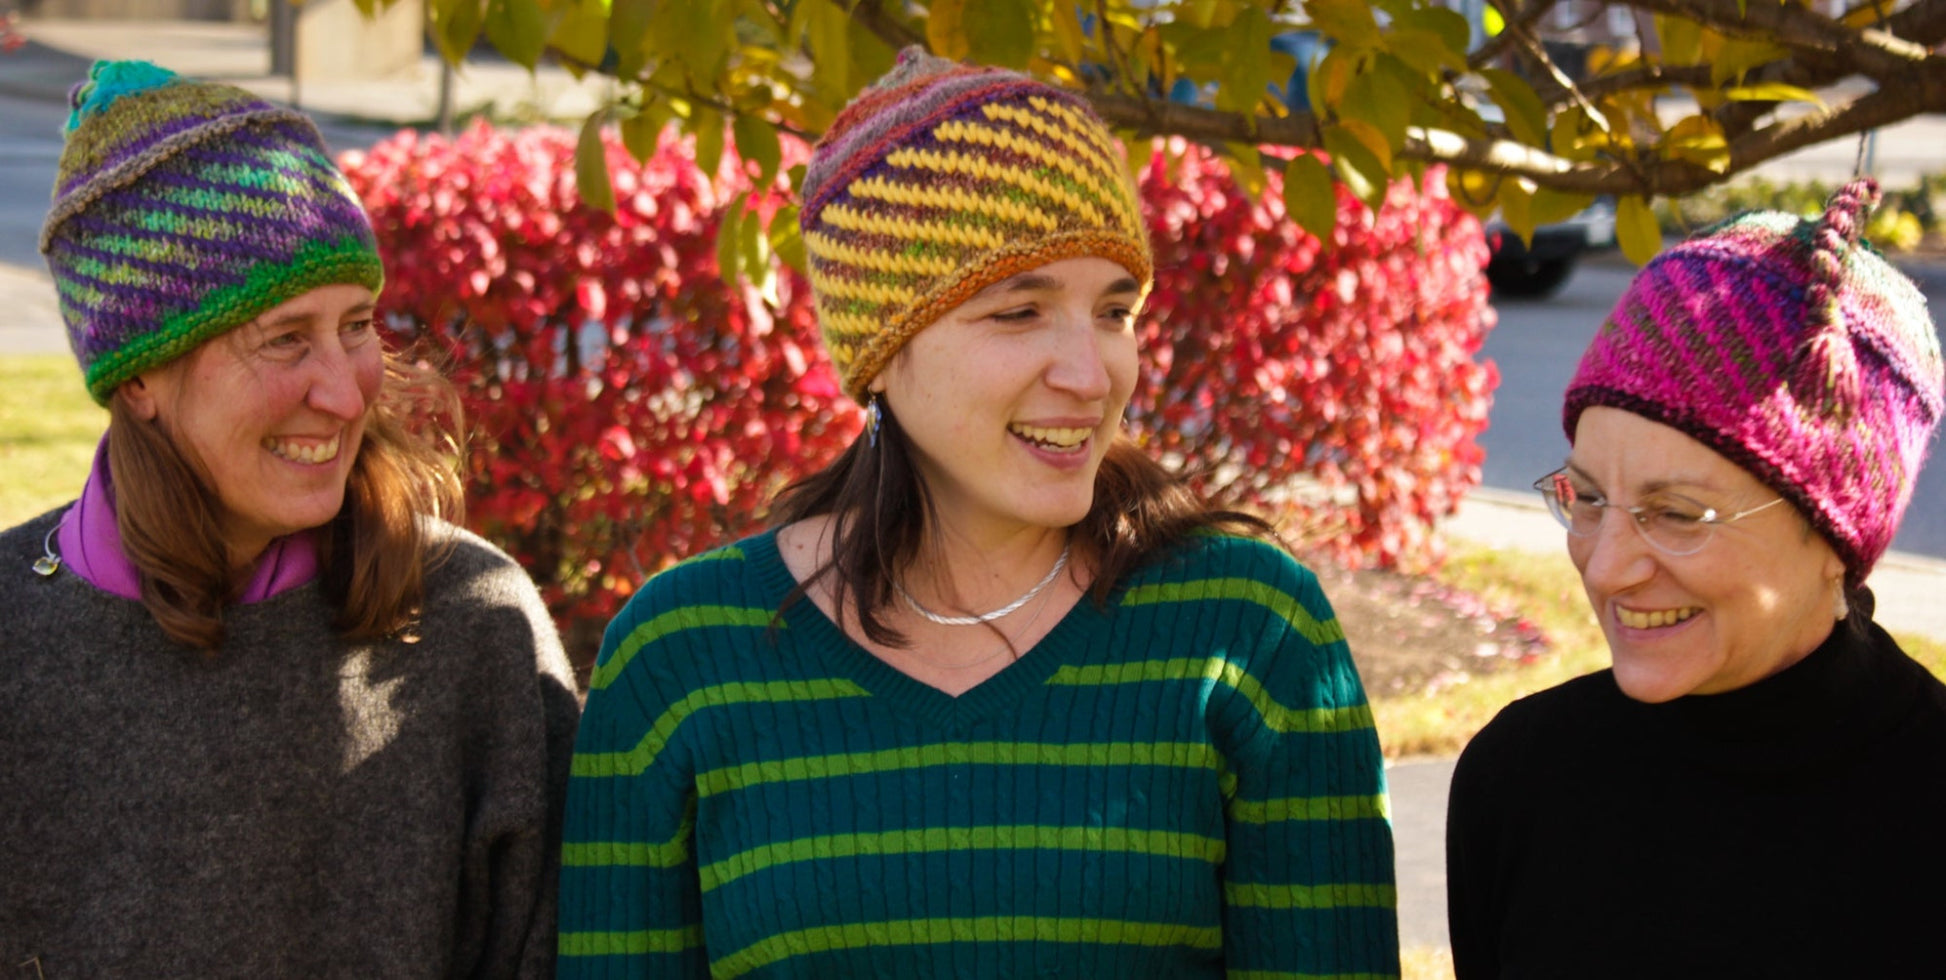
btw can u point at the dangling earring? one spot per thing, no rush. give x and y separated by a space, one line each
1841 607
872 419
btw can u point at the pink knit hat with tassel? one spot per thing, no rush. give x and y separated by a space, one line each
1792 348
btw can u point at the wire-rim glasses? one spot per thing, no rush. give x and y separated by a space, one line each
1673 524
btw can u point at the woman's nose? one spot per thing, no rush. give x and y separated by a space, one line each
1616 556
1078 365
336 386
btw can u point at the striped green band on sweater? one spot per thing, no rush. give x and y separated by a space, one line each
1183 782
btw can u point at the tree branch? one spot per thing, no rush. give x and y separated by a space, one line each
871 15
1874 52
1497 46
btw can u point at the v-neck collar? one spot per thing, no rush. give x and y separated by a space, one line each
814 633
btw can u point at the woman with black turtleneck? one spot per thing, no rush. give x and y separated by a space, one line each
1758 786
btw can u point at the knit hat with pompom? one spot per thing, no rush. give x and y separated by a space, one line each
1793 349
185 209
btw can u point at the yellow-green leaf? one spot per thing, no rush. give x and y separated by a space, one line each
1330 77
786 240
1195 13
628 34
1002 32
591 165
517 29
1355 165
642 132
580 31
1380 97
1140 150
1682 39
1737 56
1636 230
1348 22
1773 92
1549 205
1526 116
1246 69
1425 51
729 242
1516 209
1699 139
1309 197
1067 32
707 124
1492 22
1369 137
945 29
827 33
757 140
1444 23
1246 165
455 26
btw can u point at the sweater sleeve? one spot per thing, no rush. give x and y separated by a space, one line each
631 898
1308 878
522 699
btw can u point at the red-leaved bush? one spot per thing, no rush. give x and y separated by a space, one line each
629 408
1336 390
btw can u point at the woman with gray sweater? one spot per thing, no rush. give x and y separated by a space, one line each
264 712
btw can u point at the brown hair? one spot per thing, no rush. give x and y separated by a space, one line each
879 503
374 554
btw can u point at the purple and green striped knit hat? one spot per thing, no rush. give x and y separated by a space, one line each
182 210
1792 348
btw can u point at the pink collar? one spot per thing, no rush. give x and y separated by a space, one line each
91 545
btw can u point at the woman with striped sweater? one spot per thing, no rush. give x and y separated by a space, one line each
997 696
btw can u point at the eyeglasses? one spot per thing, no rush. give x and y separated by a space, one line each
1672 524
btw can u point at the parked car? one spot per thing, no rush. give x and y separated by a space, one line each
1519 270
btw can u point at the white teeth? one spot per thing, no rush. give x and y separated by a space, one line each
1655 619
1053 438
298 452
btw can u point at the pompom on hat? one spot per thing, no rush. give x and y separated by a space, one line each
1793 349
184 209
942 179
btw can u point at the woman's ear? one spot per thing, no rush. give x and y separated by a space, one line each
140 395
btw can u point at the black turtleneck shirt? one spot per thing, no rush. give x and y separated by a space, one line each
1793 828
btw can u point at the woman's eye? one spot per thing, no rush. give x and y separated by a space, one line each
358 331
1017 315
1119 314
284 341
1676 513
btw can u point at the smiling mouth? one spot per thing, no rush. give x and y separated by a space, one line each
1056 439
298 452
1654 619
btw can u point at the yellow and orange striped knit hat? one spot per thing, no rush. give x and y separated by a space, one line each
942 179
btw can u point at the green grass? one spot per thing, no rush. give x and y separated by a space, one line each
48 431
1545 589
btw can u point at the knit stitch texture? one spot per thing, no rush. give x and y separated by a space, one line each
1793 349
943 179
1183 783
184 209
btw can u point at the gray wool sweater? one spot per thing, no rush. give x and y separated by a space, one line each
295 805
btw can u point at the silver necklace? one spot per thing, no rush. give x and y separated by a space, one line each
1059 563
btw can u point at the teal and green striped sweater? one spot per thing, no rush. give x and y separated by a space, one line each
1183 784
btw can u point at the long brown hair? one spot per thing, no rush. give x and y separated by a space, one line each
374 554
880 506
